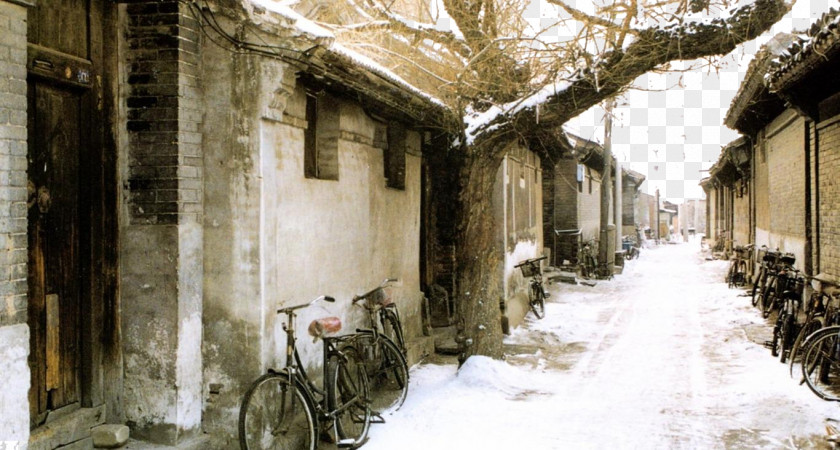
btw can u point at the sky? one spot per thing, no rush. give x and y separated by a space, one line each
670 128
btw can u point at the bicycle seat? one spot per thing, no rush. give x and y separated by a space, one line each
324 326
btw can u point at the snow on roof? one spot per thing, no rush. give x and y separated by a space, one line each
311 29
298 21
368 63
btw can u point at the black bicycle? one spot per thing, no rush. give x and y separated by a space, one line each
769 259
383 349
284 409
737 274
792 284
536 294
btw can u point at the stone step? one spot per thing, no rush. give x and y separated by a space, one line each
109 436
67 428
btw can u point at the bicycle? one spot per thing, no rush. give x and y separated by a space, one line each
284 409
737 274
776 284
383 355
822 309
630 247
821 359
786 327
768 260
586 260
536 293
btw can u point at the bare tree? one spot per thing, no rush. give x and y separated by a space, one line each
506 80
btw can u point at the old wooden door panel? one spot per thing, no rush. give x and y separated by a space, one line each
55 148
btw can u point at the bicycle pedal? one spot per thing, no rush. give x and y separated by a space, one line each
768 344
346 443
376 418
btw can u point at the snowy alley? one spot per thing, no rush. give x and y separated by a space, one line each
662 356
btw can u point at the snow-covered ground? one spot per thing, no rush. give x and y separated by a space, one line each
662 356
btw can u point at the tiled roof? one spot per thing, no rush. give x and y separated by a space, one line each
807 52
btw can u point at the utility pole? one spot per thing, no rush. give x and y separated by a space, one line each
657 215
606 190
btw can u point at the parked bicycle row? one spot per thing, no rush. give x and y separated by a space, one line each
806 326
364 375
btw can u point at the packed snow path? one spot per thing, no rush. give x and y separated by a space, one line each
662 356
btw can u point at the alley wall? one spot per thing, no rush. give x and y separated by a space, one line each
14 331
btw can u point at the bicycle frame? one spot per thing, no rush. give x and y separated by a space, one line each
315 395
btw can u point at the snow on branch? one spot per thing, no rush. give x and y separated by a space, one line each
615 70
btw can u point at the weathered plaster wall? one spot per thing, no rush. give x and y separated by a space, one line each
518 204
14 331
275 238
589 206
741 216
14 401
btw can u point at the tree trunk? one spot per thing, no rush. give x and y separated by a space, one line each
480 252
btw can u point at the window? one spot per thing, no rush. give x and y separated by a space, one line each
394 156
320 139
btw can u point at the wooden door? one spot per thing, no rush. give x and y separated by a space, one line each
55 144
61 70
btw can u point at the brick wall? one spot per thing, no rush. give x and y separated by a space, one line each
161 236
165 164
13 193
786 183
760 187
14 331
829 192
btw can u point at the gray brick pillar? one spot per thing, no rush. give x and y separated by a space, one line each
14 331
161 239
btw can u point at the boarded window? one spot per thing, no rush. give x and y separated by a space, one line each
394 156
320 146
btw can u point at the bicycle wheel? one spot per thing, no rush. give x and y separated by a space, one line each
768 296
537 300
387 372
758 287
392 327
730 274
774 343
785 337
821 365
348 396
810 327
275 414
741 274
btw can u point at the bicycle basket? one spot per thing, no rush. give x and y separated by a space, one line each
788 258
742 252
771 257
530 269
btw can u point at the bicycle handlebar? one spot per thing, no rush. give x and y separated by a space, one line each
385 282
530 261
289 309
